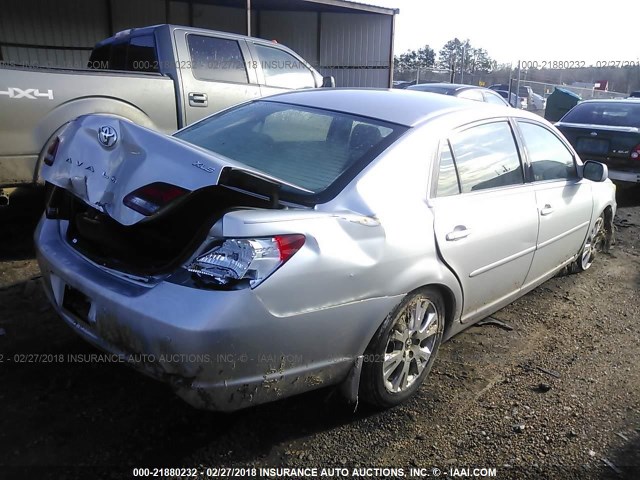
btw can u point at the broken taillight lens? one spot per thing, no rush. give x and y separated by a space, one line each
151 198
250 259
52 151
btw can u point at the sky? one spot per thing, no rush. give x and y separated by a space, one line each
531 31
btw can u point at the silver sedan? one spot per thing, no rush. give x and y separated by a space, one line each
316 238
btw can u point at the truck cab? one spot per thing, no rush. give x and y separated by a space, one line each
212 70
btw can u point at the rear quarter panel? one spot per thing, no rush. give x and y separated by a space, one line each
372 242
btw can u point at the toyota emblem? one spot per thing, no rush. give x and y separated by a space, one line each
107 136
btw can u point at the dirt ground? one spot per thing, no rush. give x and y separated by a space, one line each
557 396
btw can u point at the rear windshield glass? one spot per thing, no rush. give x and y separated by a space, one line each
308 147
132 54
614 114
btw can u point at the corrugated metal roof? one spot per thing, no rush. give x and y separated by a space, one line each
305 5
358 5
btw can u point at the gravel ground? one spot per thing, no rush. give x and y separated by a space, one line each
556 396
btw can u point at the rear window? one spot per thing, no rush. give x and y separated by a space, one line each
308 147
605 113
136 54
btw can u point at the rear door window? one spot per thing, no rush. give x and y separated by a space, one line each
217 59
283 70
486 156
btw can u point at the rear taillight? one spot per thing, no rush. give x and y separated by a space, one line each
635 153
288 245
245 259
151 198
52 151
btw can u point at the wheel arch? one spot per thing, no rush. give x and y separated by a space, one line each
609 228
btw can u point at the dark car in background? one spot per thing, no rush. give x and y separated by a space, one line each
607 131
469 92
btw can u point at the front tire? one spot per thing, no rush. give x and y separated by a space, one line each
401 353
594 243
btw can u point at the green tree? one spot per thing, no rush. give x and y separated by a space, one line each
458 55
411 60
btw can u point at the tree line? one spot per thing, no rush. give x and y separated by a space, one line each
455 55
460 56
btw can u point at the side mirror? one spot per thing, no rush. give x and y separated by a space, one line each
595 171
328 82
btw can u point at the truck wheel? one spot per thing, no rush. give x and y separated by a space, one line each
403 349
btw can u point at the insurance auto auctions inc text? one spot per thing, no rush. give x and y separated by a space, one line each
375 472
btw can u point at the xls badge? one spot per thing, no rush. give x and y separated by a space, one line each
107 136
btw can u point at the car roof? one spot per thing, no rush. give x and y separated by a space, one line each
403 107
610 100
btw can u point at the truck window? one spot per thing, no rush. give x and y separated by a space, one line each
283 70
137 54
99 59
217 59
141 55
118 57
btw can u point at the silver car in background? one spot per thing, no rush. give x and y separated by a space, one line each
310 239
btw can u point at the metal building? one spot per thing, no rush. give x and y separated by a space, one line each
351 41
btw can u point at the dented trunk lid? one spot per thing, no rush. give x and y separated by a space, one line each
102 158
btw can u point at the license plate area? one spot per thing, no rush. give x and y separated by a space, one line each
76 303
596 146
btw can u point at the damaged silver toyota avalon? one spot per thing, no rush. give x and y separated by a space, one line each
310 239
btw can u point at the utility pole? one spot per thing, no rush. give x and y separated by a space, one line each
248 18
518 86
464 52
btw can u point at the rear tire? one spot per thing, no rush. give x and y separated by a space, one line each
401 353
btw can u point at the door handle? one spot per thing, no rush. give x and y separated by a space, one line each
460 231
198 99
547 210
